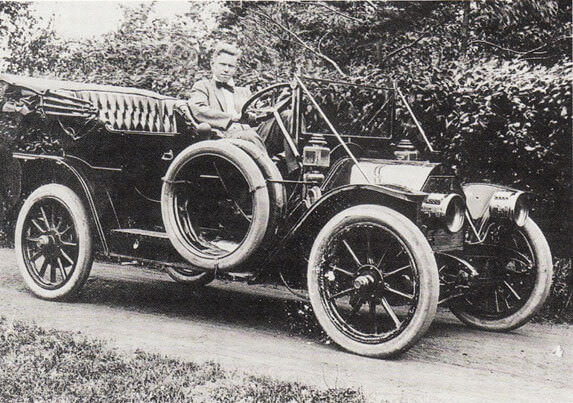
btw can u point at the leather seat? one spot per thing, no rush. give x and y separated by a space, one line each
129 112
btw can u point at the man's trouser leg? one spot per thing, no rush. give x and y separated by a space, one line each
274 139
249 135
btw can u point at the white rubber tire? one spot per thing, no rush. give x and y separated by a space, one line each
261 205
277 191
73 204
190 277
422 255
540 292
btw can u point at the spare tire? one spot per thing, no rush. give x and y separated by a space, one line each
215 205
277 191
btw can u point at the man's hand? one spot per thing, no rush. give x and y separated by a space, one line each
255 117
251 119
248 118
183 108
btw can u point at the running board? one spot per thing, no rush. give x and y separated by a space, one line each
141 232
154 248
143 244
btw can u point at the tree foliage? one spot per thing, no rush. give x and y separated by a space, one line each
507 121
25 39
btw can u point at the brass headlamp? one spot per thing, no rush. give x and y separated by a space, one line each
509 205
448 208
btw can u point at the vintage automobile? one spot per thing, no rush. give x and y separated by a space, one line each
367 228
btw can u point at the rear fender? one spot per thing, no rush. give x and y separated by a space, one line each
38 170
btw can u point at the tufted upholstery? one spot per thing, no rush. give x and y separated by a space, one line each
132 112
120 108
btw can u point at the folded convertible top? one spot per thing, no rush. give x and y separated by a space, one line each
119 108
43 84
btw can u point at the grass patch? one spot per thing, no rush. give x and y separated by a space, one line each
47 365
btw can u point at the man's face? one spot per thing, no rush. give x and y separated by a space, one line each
224 67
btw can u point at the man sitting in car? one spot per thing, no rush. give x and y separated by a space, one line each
218 102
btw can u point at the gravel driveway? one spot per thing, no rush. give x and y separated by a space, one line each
252 329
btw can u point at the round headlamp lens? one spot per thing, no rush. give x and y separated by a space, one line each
454 217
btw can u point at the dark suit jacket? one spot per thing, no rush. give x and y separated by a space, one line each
207 103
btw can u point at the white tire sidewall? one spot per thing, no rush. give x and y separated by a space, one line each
261 205
200 278
539 294
420 252
80 218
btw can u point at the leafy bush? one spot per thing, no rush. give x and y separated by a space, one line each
559 305
509 122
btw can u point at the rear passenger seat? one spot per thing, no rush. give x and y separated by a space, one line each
129 112
122 109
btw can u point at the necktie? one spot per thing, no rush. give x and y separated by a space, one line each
228 93
225 86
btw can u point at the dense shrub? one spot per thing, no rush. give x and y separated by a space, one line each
509 122
559 306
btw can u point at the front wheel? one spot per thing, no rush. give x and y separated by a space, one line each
373 281
53 242
515 273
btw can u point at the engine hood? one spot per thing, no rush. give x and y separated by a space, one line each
404 175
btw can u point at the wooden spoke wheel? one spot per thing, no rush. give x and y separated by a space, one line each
53 242
373 281
515 273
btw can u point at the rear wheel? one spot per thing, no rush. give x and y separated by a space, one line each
373 281
515 273
53 242
190 276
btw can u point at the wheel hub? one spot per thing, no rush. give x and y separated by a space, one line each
363 281
48 243
45 240
368 278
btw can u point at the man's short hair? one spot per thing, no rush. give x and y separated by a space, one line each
224 47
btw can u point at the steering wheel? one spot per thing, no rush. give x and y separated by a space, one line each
262 104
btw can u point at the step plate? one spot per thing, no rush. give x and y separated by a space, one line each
143 244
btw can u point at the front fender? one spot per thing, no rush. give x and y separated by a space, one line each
336 200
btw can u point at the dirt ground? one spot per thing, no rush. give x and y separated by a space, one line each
247 328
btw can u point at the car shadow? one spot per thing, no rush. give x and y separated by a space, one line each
242 306
225 304
209 303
